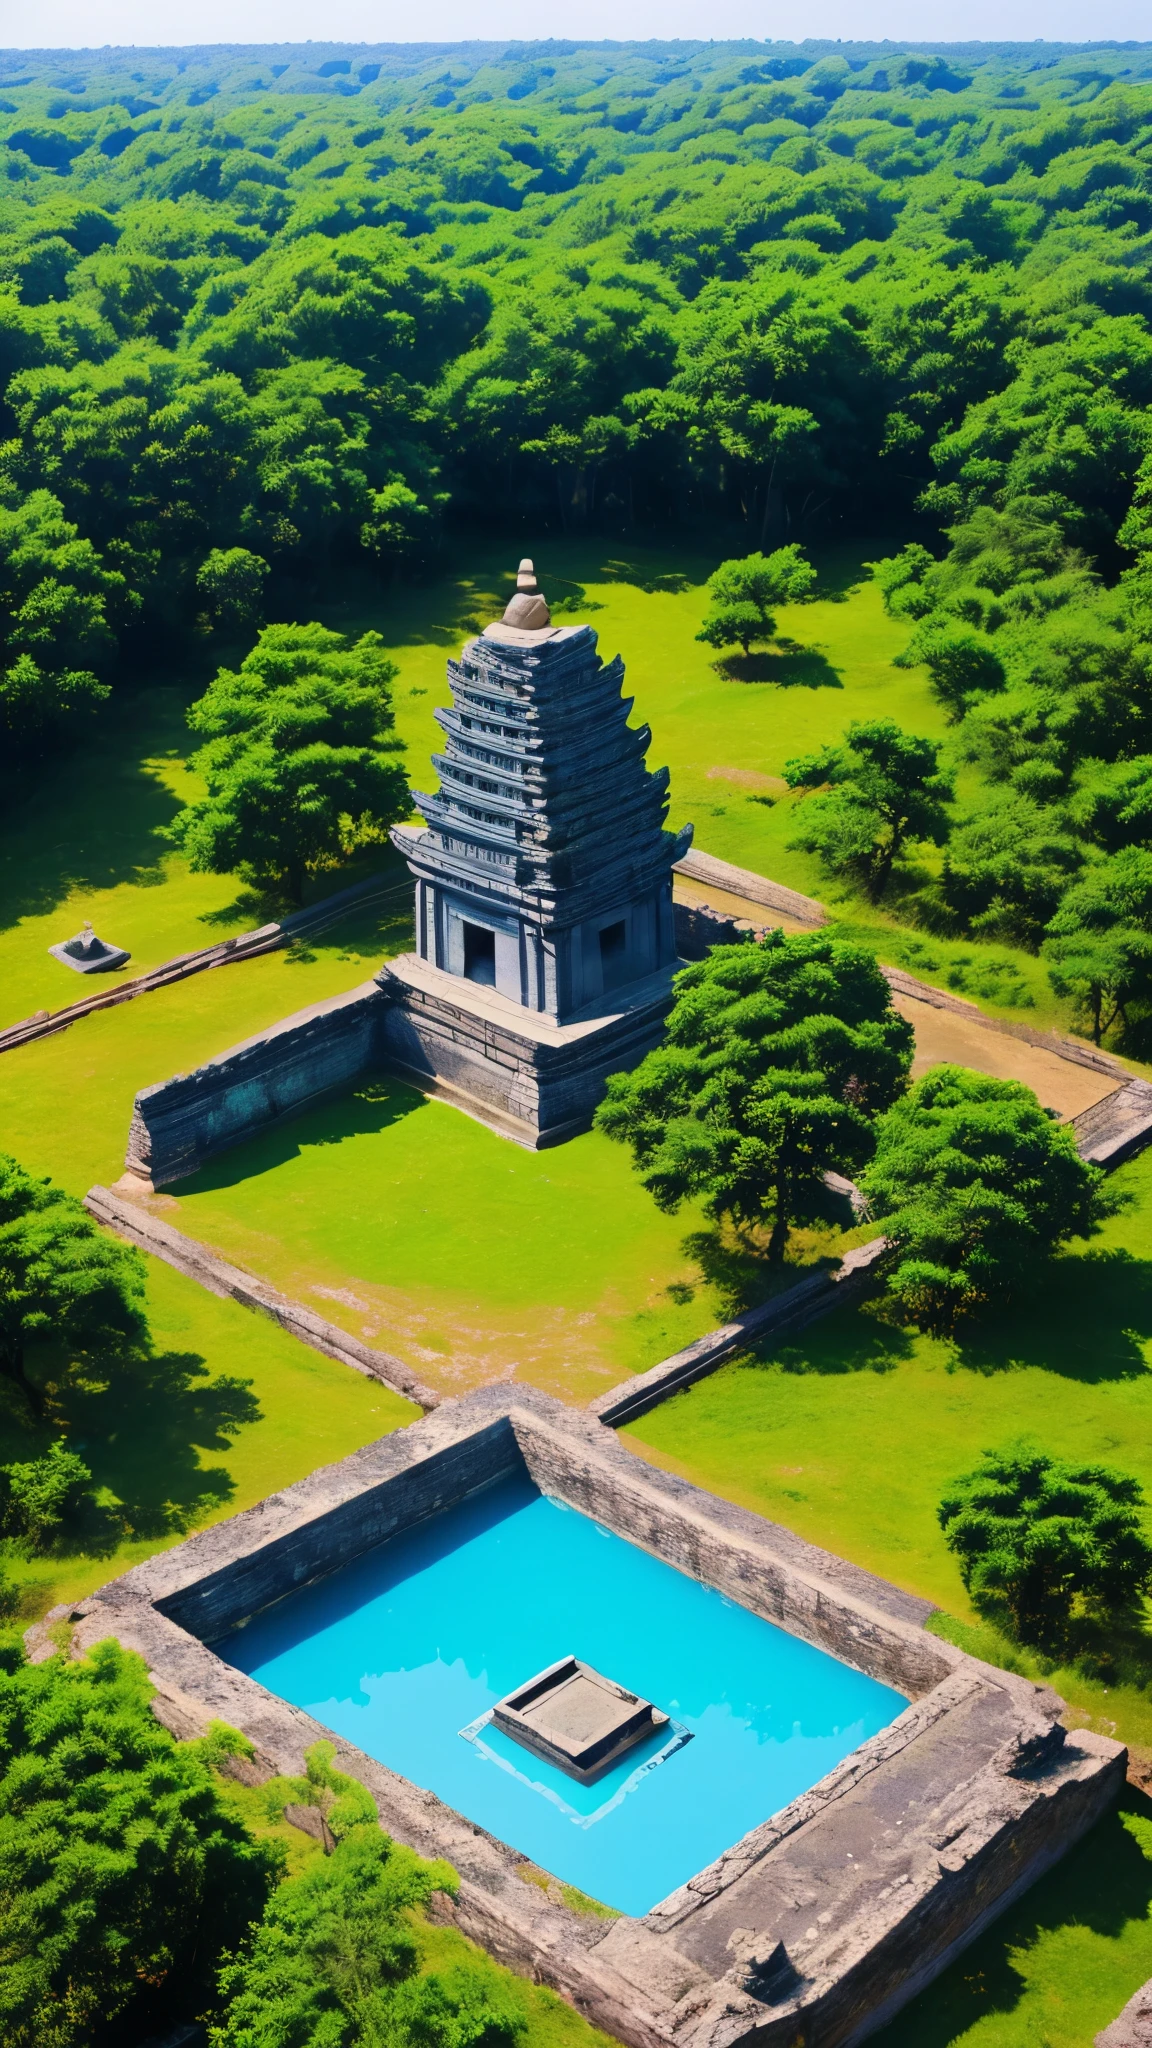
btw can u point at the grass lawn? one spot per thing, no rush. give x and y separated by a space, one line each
87 839
421 1230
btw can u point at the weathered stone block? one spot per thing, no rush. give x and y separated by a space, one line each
178 1124
533 1079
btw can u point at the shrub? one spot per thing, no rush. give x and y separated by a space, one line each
37 1498
60 1277
1042 1536
230 582
334 1962
744 591
886 791
122 1876
976 1187
777 1060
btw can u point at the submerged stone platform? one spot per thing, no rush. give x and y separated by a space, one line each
577 1719
817 1925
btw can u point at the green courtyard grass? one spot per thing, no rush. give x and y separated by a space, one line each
66 1100
421 1230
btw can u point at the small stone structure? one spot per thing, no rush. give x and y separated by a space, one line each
177 1125
576 1718
87 954
546 936
821 1922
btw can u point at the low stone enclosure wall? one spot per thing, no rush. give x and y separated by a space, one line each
859 1892
200 1263
811 1296
179 1124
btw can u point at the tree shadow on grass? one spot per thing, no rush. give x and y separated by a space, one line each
736 1268
736 1265
789 666
139 1419
92 819
843 568
849 1340
363 1111
1103 1885
1087 1323
668 582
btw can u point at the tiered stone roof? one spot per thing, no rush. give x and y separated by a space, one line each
545 800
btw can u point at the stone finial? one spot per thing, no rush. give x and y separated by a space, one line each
528 609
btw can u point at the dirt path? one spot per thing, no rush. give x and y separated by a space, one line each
944 1035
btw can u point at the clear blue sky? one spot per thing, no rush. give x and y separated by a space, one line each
40 24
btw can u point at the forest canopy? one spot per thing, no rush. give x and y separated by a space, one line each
268 311
300 301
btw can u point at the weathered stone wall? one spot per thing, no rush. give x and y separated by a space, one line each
804 1302
178 1124
540 1089
772 1585
699 928
254 1580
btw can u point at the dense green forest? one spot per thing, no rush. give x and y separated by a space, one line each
265 312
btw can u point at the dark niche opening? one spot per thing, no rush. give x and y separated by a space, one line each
614 953
480 954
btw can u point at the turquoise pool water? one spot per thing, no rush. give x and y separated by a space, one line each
405 1652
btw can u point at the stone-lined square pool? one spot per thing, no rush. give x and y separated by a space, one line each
406 1651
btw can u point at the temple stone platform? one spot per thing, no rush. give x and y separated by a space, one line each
521 1071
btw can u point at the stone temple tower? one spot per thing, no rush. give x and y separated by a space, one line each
545 938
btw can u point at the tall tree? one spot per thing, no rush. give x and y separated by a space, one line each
60 1277
778 1059
1099 943
976 1187
878 792
743 593
301 758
